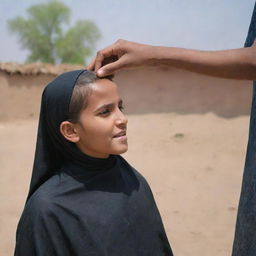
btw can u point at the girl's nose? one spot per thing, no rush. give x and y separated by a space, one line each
121 118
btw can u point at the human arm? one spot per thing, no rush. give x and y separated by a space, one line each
237 63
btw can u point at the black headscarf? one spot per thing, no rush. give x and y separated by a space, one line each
52 149
80 205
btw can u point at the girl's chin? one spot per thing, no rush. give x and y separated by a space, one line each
120 150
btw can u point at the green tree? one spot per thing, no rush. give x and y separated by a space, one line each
43 35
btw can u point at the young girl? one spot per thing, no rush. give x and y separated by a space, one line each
84 198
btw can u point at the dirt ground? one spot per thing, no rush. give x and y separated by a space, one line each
193 162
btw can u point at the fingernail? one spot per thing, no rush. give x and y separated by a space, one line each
100 72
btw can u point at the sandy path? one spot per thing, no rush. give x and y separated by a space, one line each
193 163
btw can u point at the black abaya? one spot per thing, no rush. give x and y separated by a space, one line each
245 235
80 205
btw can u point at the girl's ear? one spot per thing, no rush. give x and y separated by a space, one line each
69 132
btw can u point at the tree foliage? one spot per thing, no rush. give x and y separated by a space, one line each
43 35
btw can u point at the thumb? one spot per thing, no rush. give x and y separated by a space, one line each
110 68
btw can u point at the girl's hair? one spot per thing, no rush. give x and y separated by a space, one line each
81 92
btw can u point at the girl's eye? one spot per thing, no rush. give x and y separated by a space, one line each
107 111
104 112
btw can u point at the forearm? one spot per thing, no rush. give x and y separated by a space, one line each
235 64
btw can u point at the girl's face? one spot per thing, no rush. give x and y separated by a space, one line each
102 124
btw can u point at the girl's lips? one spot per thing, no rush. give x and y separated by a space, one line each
120 134
121 138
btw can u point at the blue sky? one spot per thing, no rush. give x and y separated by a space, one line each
196 24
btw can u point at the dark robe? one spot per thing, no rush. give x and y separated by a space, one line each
245 235
81 205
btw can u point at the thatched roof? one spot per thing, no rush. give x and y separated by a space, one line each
37 68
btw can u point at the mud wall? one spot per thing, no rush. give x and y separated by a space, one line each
171 90
20 95
143 91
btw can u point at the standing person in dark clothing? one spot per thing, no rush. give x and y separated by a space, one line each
234 64
84 198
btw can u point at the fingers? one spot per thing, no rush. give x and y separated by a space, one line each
102 55
101 63
106 56
110 68
91 65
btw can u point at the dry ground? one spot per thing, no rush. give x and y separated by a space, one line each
193 163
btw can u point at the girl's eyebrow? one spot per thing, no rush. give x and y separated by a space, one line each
108 105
